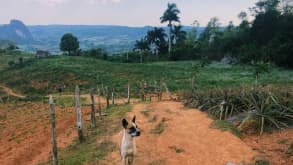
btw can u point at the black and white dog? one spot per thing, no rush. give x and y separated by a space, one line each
128 146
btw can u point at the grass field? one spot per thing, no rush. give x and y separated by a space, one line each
40 76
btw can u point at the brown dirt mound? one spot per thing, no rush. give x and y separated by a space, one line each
185 137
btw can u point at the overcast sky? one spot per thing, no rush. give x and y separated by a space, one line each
118 12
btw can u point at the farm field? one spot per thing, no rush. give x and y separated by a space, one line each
169 130
38 77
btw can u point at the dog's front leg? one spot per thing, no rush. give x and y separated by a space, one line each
131 160
123 160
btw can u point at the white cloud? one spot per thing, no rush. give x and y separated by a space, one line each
57 2
48 2
102 1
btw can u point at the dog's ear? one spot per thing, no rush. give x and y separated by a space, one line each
133 120
124 123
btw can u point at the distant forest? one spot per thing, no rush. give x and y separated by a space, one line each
266 39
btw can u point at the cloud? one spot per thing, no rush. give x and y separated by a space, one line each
49 2
57 2
102 1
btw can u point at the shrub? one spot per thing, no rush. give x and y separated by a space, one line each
269 107
11 63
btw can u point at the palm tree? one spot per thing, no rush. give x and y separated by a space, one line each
142 45
178 34
157 37
170 15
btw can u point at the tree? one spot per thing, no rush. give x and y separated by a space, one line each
178 35
211 30
143 46
157 37
191 36
242 15
69 43
170 15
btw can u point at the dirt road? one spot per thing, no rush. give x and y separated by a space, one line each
185 138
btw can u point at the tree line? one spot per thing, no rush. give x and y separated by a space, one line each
268 38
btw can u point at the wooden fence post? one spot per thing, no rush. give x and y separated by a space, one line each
142 90
113 97
223 106
93 113
192 86
79 114
99 102
128 94
107 97
53 123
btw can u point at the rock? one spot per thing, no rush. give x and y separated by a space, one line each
16 31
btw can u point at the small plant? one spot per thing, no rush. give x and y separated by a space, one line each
156 162
267 110
145 112
177 149
289 150
260 68
153 119
11 63
225 126
260 160
160 128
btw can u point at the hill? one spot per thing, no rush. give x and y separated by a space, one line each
112 38
16 31
40 76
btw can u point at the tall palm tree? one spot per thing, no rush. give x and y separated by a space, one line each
170 15
178 34
157 37
143 46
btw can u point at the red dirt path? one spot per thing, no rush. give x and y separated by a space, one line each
187 131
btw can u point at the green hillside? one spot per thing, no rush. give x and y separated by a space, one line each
40 76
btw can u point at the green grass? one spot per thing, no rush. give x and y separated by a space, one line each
40 76
225 126
160 128
6 56
156 162
177 149
68 101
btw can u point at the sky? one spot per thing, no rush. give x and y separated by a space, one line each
119 12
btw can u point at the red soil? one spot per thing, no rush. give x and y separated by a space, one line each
188 132
273 146
26 133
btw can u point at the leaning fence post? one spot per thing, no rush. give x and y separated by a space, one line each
222 109
113 97
93 113
99 102
142 90
128 94
53 123
79 114
107 97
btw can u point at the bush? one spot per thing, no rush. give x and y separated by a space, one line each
270 107
11 63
